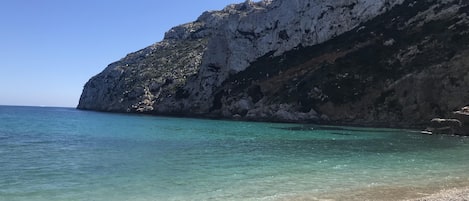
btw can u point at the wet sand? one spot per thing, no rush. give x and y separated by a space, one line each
427 193
456 194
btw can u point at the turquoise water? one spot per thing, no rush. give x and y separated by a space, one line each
65 154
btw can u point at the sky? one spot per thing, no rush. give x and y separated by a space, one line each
50 48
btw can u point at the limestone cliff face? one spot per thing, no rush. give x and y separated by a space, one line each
181 73
386 62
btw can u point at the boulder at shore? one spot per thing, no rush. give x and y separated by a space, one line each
458 124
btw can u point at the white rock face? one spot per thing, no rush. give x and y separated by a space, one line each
251 30
232 39
241 33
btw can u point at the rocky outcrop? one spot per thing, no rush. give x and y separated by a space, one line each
462 116
367 62
458 125
444 126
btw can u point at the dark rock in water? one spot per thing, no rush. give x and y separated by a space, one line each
445 126
459 124
393 63
440 123
463 116
237 117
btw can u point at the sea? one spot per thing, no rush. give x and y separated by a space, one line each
64 154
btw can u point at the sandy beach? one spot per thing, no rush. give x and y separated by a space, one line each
390 194
456 194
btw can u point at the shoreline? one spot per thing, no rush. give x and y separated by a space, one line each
389 125
454 194
422 126
451 190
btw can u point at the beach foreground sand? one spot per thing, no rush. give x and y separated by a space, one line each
390 194
455 194
428 193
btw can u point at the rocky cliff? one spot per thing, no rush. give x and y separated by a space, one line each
372 62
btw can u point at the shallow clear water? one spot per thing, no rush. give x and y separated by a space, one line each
66 154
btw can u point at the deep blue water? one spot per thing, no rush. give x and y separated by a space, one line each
66 154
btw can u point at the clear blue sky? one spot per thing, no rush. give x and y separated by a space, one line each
50 48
